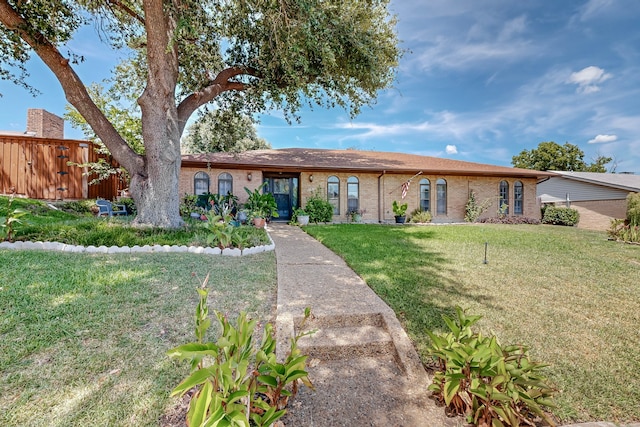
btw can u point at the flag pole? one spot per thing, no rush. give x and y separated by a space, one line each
409 180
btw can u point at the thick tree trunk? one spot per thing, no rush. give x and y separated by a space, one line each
155 191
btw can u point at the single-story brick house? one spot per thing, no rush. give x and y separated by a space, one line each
598 197
368 181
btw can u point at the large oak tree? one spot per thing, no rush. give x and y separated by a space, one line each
183 54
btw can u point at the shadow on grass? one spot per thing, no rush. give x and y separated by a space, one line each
84 337
398 263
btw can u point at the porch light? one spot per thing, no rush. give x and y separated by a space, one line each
310 178
249 176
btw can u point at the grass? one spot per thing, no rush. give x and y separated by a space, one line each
569 294
83 337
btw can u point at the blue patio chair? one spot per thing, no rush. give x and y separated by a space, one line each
106 208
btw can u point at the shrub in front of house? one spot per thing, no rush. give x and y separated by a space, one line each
419 216
318 208
557 215
509 220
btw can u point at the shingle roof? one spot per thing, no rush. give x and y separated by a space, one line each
297 159
623 181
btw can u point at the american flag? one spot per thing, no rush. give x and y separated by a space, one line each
405 188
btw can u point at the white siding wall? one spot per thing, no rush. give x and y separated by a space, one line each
578 191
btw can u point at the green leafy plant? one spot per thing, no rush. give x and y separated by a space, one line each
399 209
491 385
418 216
10 220
235 383
221 231
188 204
558 215
318 207
261 204
473 209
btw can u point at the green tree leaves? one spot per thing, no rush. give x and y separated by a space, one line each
552 156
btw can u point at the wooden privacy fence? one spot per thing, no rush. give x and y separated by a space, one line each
38 168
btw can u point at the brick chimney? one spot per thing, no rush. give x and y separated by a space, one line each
44 124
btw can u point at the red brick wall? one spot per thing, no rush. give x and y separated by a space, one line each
44 124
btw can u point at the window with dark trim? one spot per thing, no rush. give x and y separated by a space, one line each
518 198
503 206
353 194
425 195
441 197
200 183
225 184
333 193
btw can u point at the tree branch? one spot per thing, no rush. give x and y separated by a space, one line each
74 90
126 9
221 83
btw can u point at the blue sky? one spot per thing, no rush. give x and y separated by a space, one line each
481 81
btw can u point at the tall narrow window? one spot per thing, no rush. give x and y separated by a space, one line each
518 198
333 193
441 197
353 194
504 197
200 183
425 195
225 184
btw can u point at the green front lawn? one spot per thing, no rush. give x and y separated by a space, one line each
569 294
83 338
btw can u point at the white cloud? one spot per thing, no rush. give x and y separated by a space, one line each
602 139
451 149
589 78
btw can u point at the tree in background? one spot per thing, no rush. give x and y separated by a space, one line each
222 130
125 120
183 54
550 156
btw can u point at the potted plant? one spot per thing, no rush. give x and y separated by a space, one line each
400 212
301 216
261 205
356 215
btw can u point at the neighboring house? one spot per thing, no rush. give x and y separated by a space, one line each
35 163
368 181
598 197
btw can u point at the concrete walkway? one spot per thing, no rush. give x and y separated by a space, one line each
363 365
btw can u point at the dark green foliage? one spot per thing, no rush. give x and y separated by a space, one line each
261 204
557 215
509 220
76 206
188 204
318 208
552 156
490 384
129 204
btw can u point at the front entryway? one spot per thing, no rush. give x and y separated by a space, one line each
285 190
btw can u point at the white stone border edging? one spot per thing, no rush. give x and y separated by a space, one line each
62 247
